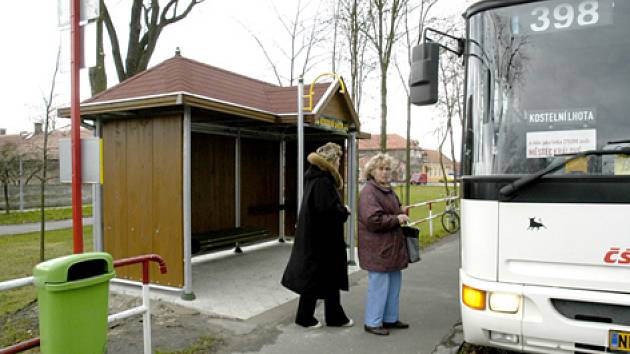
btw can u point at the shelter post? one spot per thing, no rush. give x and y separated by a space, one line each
352 188
237 188
281 199
188 293
300 144
97 201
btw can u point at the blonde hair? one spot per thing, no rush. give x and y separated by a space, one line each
329 152
375 162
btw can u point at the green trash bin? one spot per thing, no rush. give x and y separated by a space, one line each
72 293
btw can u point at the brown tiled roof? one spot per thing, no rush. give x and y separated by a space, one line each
397 142
433 156
394 142
180 74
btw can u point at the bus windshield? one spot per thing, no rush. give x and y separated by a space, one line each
548 78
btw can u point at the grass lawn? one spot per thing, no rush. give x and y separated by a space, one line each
421 194
18 255
24 217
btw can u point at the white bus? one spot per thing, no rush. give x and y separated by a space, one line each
545 255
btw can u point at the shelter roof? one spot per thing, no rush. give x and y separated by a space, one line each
181 80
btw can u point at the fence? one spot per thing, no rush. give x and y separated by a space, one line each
429 205
144 309
56 195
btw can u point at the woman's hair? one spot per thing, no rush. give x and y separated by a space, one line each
329 152
375 162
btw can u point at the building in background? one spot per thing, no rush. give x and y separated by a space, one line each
21 161
423 161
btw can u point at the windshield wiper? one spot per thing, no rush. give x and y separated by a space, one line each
556 165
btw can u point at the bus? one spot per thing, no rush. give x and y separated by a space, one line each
545 255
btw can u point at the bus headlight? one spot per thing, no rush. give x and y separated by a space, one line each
504 302
473 298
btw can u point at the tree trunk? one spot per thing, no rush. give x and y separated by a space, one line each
42 229
383 142
98 77
408 153
448 192
453 160
5 186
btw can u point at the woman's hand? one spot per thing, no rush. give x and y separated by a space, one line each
403 219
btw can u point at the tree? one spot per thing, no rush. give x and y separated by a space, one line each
9 170
353 23
148 20
423 11
385 17
450 100
48 112
303 37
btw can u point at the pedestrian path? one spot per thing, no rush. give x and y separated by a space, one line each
244 290
429 303
33 227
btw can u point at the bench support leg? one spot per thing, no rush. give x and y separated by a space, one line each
238 248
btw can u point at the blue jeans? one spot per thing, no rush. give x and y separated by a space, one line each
382 298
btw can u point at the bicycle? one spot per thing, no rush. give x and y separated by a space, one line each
450 217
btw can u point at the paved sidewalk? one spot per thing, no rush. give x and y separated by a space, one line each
429 302
33 227
241 293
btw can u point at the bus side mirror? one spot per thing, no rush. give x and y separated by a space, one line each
423 79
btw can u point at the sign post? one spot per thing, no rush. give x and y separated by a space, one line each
77 217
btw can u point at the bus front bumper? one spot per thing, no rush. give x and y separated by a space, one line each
537 326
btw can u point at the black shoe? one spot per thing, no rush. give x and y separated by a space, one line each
396 325
380 331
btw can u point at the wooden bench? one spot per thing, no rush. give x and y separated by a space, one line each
227 237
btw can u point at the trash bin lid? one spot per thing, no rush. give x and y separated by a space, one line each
64 269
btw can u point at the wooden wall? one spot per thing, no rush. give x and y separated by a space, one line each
142 194
337 108
212 182
260 170
213 168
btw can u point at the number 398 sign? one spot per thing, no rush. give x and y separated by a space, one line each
552 16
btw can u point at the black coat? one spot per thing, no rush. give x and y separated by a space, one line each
318 262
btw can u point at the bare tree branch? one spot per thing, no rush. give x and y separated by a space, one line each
147 21
264 50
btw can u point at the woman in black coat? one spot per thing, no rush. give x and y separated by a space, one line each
318 267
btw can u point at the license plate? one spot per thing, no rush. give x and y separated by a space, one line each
619 340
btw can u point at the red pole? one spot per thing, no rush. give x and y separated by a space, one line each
77 220
20 347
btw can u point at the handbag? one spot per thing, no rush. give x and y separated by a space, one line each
412 238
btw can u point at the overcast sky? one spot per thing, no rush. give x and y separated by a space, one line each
214 34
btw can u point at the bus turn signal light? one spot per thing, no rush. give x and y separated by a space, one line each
473 298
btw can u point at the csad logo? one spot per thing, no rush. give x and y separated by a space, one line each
615 255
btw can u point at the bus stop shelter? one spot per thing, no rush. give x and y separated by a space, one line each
195 157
